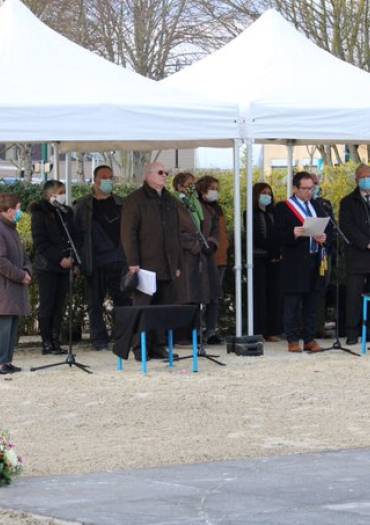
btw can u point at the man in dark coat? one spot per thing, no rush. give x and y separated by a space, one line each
302 258
151 241
97 222
326 207
354 220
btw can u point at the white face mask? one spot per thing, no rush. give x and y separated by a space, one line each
60 199
212 195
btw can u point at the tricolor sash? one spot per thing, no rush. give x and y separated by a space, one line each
301 213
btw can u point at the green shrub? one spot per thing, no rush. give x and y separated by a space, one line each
336 183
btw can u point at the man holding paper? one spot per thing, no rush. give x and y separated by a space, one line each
151 240
301 231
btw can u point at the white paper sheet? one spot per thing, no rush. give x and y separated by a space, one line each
147 282
314 226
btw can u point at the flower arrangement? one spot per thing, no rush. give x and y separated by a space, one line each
10 463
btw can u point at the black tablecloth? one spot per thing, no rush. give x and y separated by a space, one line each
129 320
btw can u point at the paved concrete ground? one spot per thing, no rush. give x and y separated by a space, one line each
315 489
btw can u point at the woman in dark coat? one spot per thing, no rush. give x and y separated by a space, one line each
15 277
207 188
52 261
266 262
196 282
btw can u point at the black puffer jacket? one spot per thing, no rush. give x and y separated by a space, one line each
49 238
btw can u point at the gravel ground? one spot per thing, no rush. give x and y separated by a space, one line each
65 421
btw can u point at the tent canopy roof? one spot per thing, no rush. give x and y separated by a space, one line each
289 87
57 91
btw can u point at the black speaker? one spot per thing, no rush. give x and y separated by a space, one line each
247 345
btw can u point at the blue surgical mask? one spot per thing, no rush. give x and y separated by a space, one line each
18 215
106 186
364 184
316 192
264 199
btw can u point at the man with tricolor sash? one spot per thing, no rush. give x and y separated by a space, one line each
303 264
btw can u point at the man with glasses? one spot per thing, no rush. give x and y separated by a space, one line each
151 241
302 266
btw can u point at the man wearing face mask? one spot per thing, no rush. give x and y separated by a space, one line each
354 220
97 221
52 261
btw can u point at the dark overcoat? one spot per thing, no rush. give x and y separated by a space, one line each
199 282
354 221
14 263
83 216
296 266
150 232
50 241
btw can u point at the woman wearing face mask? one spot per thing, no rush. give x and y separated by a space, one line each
194 285
266 259
208 191
52 261
15 277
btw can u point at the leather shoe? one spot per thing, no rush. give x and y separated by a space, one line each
352 340
294 347
13 368
214 340
161 353
137 354
5 370
47 347
312 346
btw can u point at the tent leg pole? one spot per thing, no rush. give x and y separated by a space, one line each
68 179
290 169
56 160
250 235
237 241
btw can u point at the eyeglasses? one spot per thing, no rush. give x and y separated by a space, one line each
161 172
306 189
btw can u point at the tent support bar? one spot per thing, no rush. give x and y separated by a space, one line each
56 160
249 243
290 168
68 179
237 241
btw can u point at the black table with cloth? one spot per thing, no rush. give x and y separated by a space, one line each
129 320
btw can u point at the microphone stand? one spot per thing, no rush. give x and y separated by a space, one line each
337 345
71 357
201 350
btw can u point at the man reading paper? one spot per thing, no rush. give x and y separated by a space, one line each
303 264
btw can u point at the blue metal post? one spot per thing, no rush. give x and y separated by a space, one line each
144 363
364 325
120 364
170 348
195 350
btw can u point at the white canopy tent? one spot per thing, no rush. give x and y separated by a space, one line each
56 91
289 90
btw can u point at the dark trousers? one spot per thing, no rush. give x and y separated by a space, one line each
104 281
300 308
53 289
165 294
267 297
212 311
8 337
355 287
